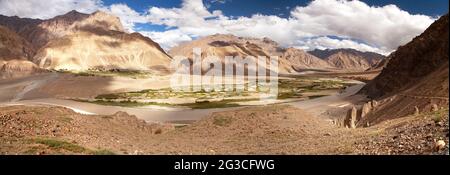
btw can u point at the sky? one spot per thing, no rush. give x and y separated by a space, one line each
367 25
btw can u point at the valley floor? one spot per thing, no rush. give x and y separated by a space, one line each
35 122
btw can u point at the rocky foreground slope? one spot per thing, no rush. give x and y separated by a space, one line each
253 130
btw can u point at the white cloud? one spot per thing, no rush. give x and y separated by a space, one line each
386 27
128 16
382 28
46 9
324 42
169 38
41 10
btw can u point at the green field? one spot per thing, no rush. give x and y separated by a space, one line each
296 88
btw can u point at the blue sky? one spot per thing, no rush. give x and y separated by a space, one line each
283 7
368 25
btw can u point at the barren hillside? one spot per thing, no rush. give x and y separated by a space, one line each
416 77
221 45
348 59
79 42
14 54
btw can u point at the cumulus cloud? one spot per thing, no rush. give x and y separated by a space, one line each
324 42
46 9
386 27
359 26
169 38
128 16
382 29
193 18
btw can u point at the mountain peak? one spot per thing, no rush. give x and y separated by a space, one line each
102 13
73 12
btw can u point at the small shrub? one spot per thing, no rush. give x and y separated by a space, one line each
158 131
222 120
57 144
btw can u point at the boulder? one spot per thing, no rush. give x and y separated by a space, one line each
434 107
416 110
439 145
374 103
366 108
350 120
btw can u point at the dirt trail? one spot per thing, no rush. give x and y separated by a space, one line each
34 85
319 105
423 97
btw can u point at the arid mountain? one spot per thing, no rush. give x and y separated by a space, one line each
14 54
18 68
39 32
348 59
220 45
17 24
413 61
13 46
77 41
302 60
380 65
416 76
102 50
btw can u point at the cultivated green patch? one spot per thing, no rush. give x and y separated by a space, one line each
136 74
300 88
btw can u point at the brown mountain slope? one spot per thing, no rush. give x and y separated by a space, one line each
380 65
302 60
413 61
18 68
348 59
103 50
228 45
415 78
14 54
17 24
40 32
349 62
77 41
12 46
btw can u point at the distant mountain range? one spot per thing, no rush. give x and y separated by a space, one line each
79 42
349 59
290 59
